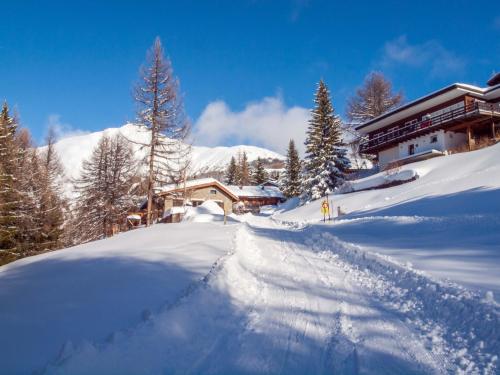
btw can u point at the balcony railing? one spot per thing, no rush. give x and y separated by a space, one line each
428 124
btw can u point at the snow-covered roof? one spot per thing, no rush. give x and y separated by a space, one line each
256 191
428 101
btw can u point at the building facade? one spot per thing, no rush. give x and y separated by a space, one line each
455 117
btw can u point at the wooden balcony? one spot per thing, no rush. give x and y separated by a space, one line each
467 115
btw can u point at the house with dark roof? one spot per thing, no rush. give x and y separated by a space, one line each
456 116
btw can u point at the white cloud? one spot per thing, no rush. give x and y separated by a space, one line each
61 129
266 123
430 55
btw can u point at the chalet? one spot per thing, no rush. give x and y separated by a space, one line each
196 192
251 198
454 117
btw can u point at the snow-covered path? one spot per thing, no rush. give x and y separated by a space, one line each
292 300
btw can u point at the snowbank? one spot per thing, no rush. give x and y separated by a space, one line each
209 211
383 179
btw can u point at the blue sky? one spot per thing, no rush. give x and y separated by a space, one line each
239 62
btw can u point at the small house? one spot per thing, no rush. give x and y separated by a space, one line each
251 198
194 193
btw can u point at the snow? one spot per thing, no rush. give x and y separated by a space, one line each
379 179
446 222
280 292
256 191
209 211
87 292
134 217
299 301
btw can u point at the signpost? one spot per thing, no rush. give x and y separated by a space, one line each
325 209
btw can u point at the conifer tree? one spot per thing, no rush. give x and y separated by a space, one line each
259 175
373 99
291 184
244 170
161 113
9 195
326 161
104 189
52 202
232 172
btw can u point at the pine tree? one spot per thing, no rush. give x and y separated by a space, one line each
291 184
259 175
232 172
104 189
326 160
161 113
244 170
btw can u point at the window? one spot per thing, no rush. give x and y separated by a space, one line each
411 149
434 139
213 191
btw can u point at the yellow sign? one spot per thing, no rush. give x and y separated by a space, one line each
325 207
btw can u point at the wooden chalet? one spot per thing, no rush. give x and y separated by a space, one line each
194 193
251 198
456 116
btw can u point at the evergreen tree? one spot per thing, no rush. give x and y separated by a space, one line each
244 170
161 113
259 175
291 184
104 189
232 172
326 161
9 196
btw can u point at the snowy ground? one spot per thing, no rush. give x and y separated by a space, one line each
446 223
277 294
92 290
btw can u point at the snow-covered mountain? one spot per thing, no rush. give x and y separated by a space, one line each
73 150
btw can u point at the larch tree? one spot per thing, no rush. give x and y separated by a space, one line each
53 205
259 175
104 189
243 169
291 183
325 162
231 172
10 199
373 99
160 112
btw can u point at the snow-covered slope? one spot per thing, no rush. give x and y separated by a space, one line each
446 222
281 294
51 301
73 150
